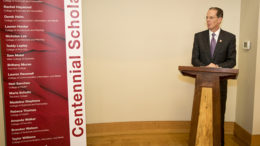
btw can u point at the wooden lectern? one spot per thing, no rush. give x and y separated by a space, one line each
206 113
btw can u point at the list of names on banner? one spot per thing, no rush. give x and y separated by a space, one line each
35 85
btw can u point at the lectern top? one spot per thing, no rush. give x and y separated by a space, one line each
221 72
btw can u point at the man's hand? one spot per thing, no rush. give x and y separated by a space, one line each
212 65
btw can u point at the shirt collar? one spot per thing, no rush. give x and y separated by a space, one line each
217 32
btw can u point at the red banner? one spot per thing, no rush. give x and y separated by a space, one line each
43 77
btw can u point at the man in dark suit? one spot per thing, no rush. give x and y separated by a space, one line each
215 48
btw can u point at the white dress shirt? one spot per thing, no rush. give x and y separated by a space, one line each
216 36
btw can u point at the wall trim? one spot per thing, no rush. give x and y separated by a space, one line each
121 128
246 137
146 127
242 134
164 127
255 140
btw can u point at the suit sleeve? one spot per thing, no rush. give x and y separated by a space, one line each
230 60
195 60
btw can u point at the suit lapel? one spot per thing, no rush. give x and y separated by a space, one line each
207 42
219 43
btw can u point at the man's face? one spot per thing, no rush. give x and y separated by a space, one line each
213 22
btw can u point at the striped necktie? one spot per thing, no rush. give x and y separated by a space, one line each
213 44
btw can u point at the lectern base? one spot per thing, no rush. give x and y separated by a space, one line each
206 112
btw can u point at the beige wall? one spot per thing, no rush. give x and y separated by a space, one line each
256 121
247 64
133 49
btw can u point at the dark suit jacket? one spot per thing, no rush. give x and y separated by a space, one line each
225 51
